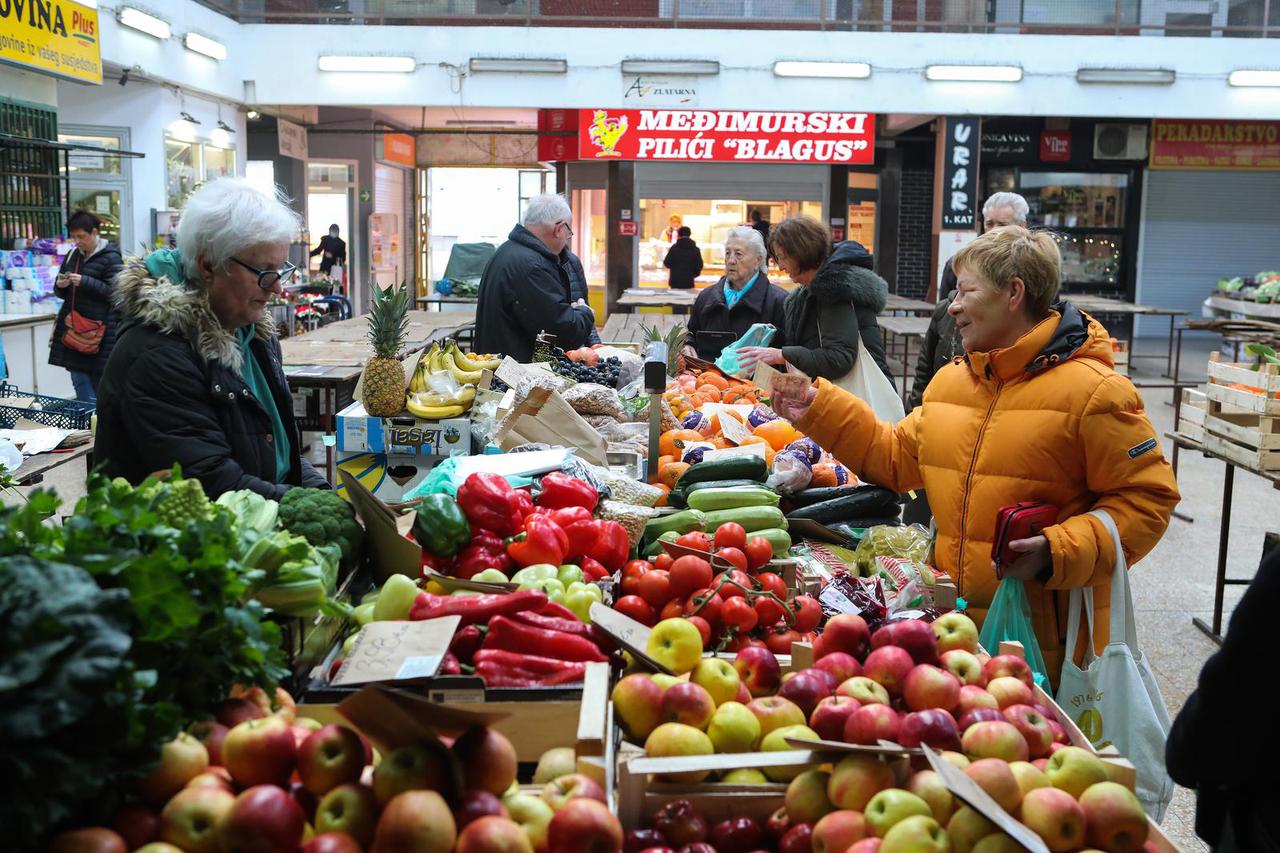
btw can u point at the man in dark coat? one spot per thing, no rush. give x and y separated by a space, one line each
526 289
739 300
684 259
941 344
332 250
578 289
86 279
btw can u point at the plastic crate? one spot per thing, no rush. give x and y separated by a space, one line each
49 411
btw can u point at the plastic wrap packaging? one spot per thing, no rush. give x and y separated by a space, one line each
600 421
908 584
758 335
910 543
630 364
484 422
588 473
863 597
626 490
632 517
589 398
791 472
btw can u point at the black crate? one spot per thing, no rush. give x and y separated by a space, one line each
306 408
48 411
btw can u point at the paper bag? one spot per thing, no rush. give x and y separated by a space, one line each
545 417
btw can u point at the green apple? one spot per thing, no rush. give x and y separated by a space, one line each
671 739
718 677
533 815
928 786
915 834
676 644
966 828
997 842
1029 776
745 776
734 728
776 741
1074 770
554 763
664 681
350 809
888 808
806 798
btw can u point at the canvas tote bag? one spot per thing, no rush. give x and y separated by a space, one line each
867 382
1114 698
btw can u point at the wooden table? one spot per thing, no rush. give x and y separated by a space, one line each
905 328
678 300
906 305
1101 305
33 468
628 328
438 299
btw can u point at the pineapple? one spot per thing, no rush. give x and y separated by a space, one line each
384 383
675 341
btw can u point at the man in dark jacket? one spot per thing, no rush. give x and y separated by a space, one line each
743 297
332 250
85 280
526 289
684 259
578 289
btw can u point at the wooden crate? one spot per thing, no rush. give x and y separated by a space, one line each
1241 425
1191 413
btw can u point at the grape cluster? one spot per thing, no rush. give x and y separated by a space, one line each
604 373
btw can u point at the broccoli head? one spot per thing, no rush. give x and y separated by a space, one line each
323 518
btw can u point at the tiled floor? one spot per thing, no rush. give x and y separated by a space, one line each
1174 582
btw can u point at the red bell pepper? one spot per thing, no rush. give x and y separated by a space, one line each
568 515
474 559
611 546
496 674
466 642
557 611
489 541
523 502
449 665
489 503
514 636
439 565
580 534
474 609
561 490
542 542
592 569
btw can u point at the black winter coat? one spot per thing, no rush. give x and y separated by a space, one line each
684 259
173 392
93 300
941 344
578 288
763 303
524 290
826 318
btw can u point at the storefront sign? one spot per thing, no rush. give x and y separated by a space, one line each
726 135
1190 144
293 139
1008 146
56 36
398 148
628 228
1055 146
960 172
642 91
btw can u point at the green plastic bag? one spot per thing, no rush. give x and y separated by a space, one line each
1009 618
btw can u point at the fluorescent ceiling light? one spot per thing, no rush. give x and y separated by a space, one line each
847 70
671 66
1145 76
1254 77
519 66
974 73
252 115
376 64
205 46
136 19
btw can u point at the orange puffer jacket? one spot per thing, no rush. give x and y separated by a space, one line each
1046 420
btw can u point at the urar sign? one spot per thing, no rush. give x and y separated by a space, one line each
726 135
56 36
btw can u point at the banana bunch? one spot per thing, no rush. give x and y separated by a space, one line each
465 370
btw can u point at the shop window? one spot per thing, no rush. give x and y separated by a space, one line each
1083 12
90 162
863 196
1086 213
218 162
589 233
189 163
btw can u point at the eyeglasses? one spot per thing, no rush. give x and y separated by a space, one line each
267 279
567 227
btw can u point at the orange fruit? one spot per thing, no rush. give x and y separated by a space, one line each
778 433
711 392
669 474
709 378
671 443
824 474
721 443
662 501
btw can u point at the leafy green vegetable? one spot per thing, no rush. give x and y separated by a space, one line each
1264 354
255 514
322 516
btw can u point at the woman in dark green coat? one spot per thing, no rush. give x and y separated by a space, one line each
834 307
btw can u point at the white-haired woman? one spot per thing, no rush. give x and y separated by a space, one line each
195 375
743 297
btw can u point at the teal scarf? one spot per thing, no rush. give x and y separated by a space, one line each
733 297
166 263
257 382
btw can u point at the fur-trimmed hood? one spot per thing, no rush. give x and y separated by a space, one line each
183 310
846 277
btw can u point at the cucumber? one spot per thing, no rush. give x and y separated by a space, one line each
655 547
716 484
733 468
716 499
874 502
750 517
777 537
680 522
808 497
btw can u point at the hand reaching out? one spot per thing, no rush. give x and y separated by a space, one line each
792 396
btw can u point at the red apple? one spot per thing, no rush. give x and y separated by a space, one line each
978 715
680 823
585 826
838 831
744 695
799 839
427 766
865 690
934 726
351 810
1033 727
1114 817
759 670
827 678
840 664
911 635
866 845
777 824
856 779
233 712
872 723
637 704
964 666
738 835
330 842
181 760
806 798
930 687
688 703
415 822
260 752
1008 690
493 834
637 840
190 819
805 689
329 757
263 818
831 715
212 779
572 787
137 825
306 800
846 633
994 776
475 804
888 666
994 739
487 758
1056 817
955 630
1059 733
1013 666
774 712
211 734
94 839
973 696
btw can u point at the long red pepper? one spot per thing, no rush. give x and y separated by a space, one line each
497 676
509 673
514 636
571 625
519 660
474 609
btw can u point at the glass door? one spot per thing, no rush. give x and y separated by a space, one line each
100 183
331 187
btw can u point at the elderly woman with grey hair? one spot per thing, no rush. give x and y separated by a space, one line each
195 376
743 297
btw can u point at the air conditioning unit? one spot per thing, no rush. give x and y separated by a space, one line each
1120 142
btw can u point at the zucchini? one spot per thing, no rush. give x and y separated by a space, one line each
680 522
715 484
655 547
808 497
750 517
734 468
777 537
715 499
876 503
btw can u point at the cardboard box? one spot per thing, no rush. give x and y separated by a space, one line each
389 477
358 432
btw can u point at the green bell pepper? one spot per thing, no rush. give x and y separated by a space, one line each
550 586
536 572
578 597
440 526
570 574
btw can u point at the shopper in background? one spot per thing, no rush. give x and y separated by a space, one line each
195 377
526 289
743 297
684 259
761 224
1235 799
835 305
1034 413
672 231
578 289
332 250
84 283
942 340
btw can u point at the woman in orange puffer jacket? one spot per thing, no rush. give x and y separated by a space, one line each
1033 412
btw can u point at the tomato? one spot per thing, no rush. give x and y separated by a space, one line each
636 607
808 613
740 642
759 552
779 642
663 561
655 588
704 628
734 557
773 582
673 609
769 611
689 573
738 614
696 539
636 567
631 583
710 610
731 535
